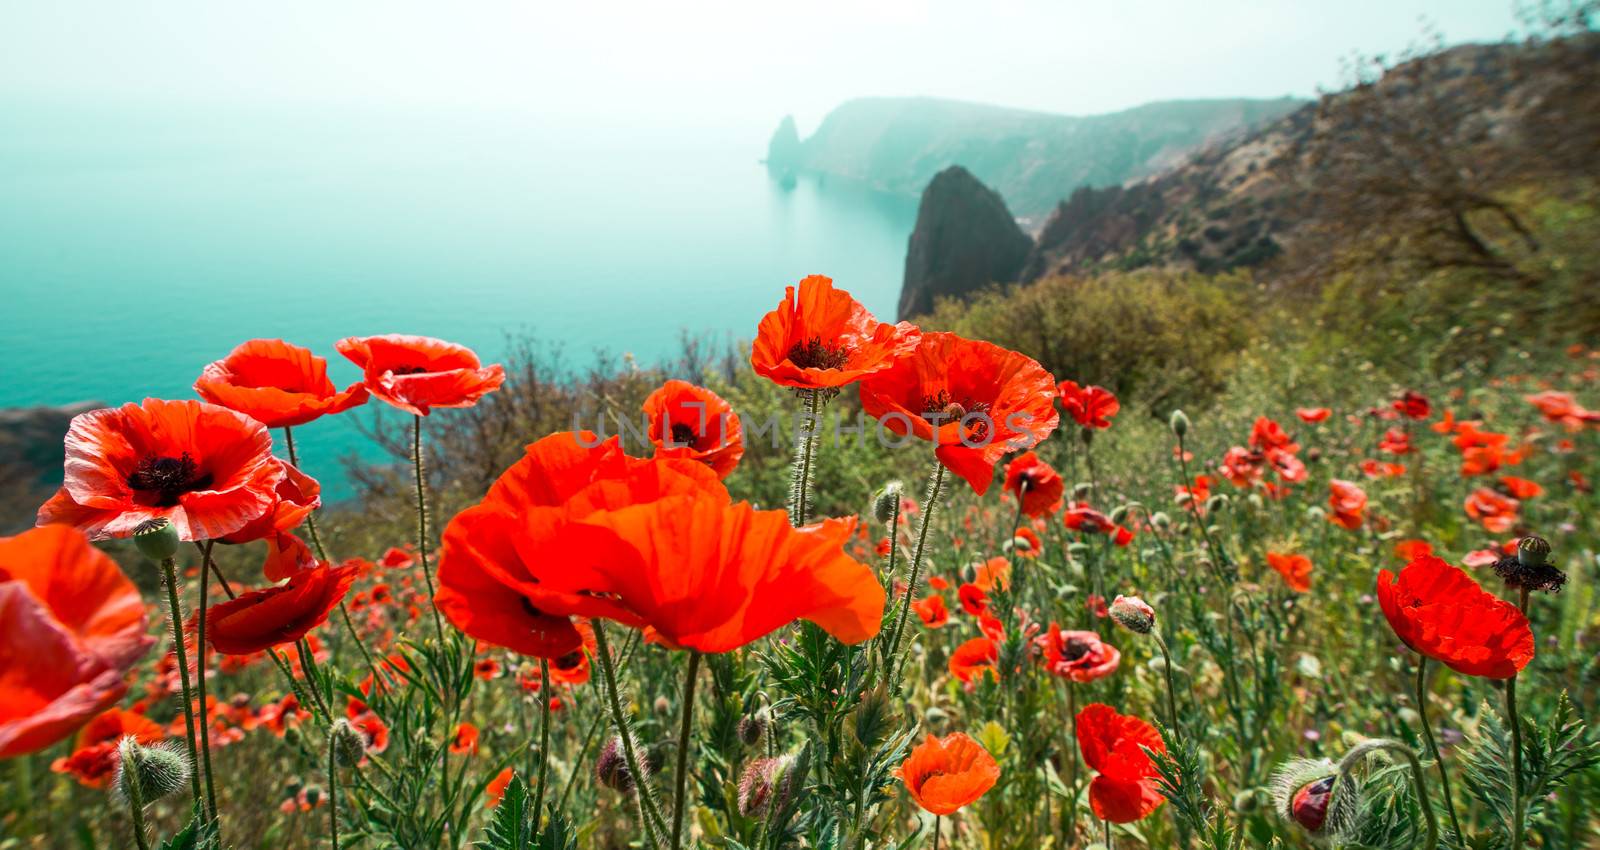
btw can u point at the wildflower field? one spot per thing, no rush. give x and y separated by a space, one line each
873 587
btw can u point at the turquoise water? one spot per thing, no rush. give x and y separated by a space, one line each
138 244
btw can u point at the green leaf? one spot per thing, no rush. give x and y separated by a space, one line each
511 827
194 836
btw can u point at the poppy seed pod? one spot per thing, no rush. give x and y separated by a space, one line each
152 772
1133 614
156 538
349 743
1530 568
1179 423
1533 551
886 502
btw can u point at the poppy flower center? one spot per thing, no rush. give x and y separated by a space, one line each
409 370
167 478
570 661
684 435
1077 648
814 354
532 611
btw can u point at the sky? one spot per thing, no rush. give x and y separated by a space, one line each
698 64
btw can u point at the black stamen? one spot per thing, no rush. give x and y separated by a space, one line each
813 354
168 478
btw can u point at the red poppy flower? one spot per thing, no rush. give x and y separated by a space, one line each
1035 483
975 401
1242 467
1411 550
1125 788
1520 488
206 468
1295 569
373 727
81 590
992 573
1075 655
1027 542
495 791
395 557
1089 406
711 576
1290 469
693 422
261 619
933 612
276 384
419 373
513 567
1267 434
1497 512
486 669
1413 405
973 600
1349 504
94 751
1439 611
823 339
1082 518
1312 415
464 740
49 686
1561 408
975 658
945 775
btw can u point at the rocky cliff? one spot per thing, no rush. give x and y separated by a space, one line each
964 238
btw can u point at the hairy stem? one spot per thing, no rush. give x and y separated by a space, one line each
681 776
544 739
805 451
649 813
169 568
422 523
935 485
200 674
1361 750
333 795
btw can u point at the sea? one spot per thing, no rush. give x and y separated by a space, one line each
139 242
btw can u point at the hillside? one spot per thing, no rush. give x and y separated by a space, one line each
1033 159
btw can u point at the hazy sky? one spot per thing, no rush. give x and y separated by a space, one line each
706 63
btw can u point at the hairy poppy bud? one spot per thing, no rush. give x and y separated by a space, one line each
1020 544
157 538
1216 503
1317 796
753 726
663 706
766 783
1179 423
151 772
1133 614
886 502
611 767
1118 514
349 743
1160 520
1082 491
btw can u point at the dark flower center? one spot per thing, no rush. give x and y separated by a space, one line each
943 409
814 354
1542 577
409 370
168 478
532 611
1077 648
570 661
684 435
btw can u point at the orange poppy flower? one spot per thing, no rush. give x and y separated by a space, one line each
1124 789
84 592
495 791
693 422
1413 405
465 739
974 659
1091 407
512 568
206 468
419 373
261 619
823 339
945 775
711 576
93 760
1349 504
1035 483
1077 655
932 611
1312 415
975 401
1497 512
48 685
1295 569
1027 542
1438 610
276 384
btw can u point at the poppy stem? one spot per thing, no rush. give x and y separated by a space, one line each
1172 699
200 674
544 740
935 485
169 570
805 451
135 795
311 517
936 820
681 776
1516 764
649 812
1433 747
422 523
1109 841
1360 751
1072 765
333 794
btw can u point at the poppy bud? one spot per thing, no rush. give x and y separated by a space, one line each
886 502
662 705
766 783
157 538
1082 491
153 772
1133 614
753 726
1216 503
349 743
1020 544
1078 550
1118 514
1160 520
1317 796
611 767
1179 423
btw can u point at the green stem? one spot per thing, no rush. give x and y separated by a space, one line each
935 485
333 795
680 800
422 523
1172 700
1433 747
544 740
805 451
649 812
200 673
1360 751
130 787
169 567
594 726
936 824
1517 813
1072 765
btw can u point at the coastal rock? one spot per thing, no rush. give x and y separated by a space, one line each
964 239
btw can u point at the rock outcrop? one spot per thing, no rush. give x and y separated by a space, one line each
964 239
